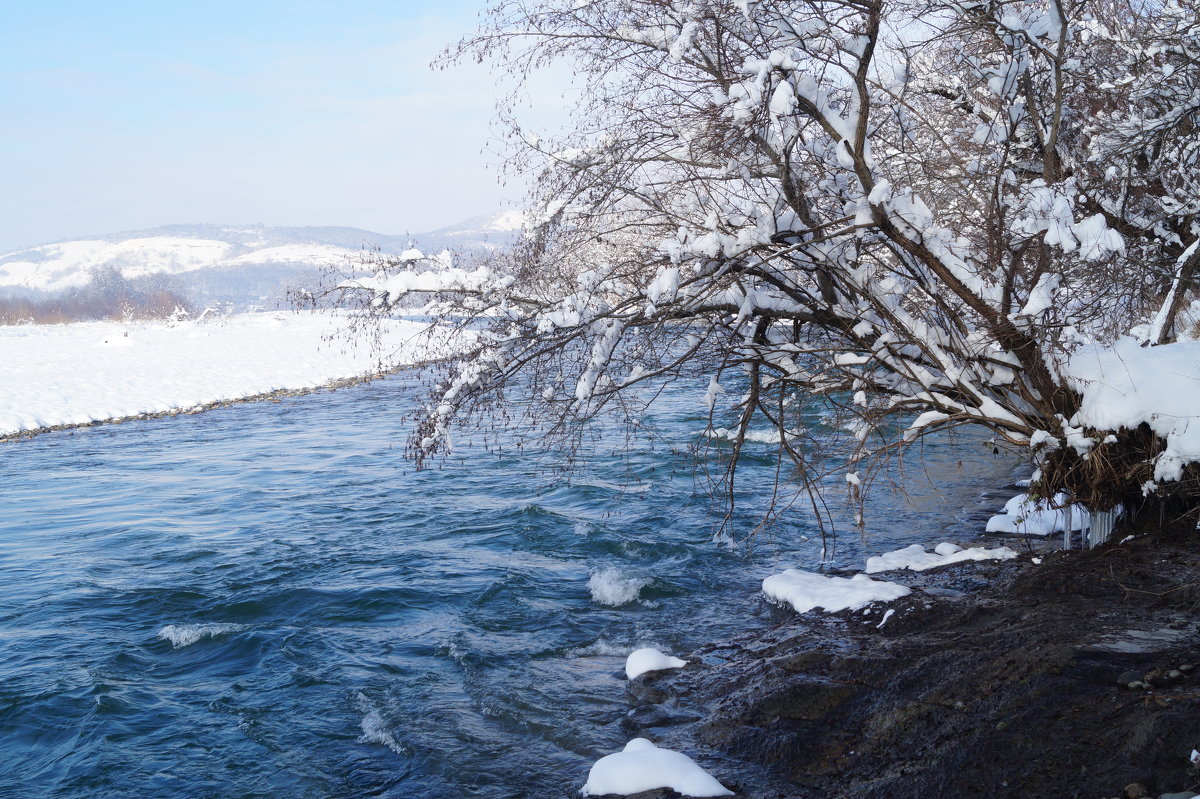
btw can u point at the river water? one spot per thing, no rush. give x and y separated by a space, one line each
268 601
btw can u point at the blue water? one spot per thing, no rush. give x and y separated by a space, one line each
267 600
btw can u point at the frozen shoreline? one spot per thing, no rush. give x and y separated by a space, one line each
1093 651
332 385
57 377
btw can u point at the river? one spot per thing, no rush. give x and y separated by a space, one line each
267 600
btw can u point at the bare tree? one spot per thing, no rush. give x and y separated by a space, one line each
917 210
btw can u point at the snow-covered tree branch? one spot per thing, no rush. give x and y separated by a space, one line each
926 211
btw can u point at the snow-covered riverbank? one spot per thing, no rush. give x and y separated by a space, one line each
64 375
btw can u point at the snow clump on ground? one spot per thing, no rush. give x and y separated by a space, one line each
915 558
806 591
642 766
648 659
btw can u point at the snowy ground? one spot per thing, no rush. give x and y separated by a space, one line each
52 375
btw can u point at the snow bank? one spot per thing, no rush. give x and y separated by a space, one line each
642 766
915 558
1127 384
1025 516
610 586
805 591
80 373
181 635
648 659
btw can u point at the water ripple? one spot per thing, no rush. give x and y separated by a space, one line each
267 601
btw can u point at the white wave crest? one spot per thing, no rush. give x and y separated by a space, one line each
771 436
181 635
375 730
601 648
610 587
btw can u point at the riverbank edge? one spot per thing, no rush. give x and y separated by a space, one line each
268 396
990 680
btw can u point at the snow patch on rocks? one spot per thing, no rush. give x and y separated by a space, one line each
915 558
642 766
807 591
648 659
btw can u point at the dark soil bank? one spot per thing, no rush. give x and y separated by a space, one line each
990 680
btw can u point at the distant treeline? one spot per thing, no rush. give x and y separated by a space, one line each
109 295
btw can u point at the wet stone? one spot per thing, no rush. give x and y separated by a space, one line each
656 716
1128 677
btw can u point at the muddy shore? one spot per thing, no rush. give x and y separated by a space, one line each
1000 679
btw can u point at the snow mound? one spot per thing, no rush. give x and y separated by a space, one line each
642 766
181 635
915 558
1126 385
1026 516
805 591
610 586
647 659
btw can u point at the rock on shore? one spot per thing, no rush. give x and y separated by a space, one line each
1076 676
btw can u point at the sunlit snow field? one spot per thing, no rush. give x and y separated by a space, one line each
53 375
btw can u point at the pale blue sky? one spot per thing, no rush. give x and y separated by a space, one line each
126 115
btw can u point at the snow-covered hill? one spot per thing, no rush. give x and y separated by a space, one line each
241 264
476 233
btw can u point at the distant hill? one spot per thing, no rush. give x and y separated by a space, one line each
246 265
